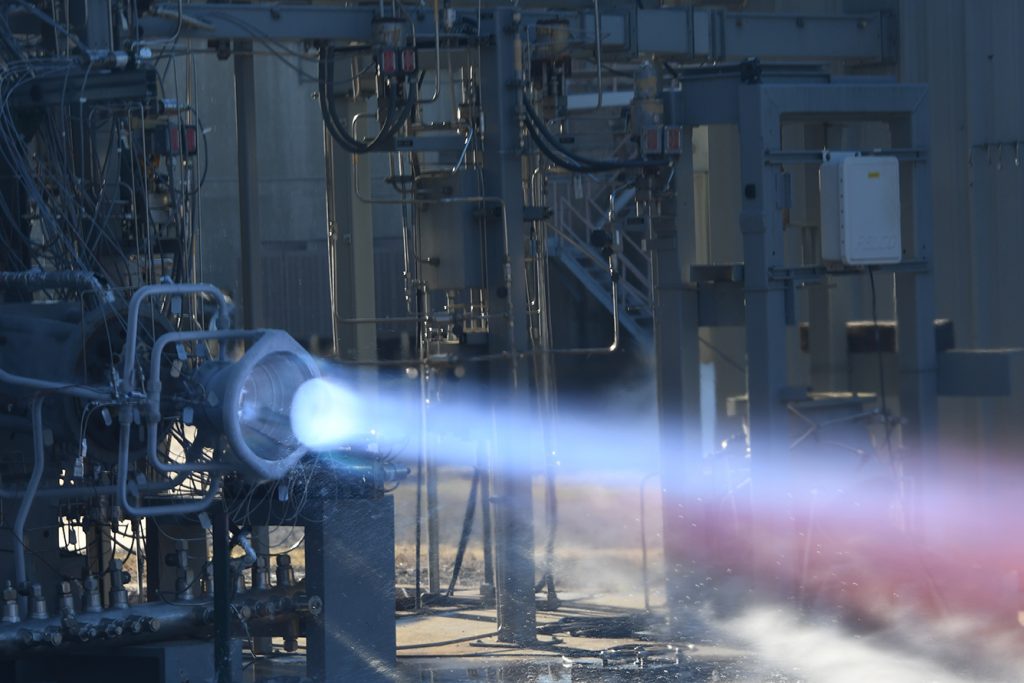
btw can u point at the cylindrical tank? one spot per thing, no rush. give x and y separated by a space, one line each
449 232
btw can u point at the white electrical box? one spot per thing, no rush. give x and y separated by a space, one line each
860 209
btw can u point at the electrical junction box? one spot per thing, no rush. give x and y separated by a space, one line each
860 209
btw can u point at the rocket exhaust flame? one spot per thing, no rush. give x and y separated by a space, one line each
830 536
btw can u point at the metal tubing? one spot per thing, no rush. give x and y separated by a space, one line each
38 465
37 279
134 307
433 525
80 391
68 492
187 508
437 55
486 529
155 388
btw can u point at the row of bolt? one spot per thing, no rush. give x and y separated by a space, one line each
92 602
70 627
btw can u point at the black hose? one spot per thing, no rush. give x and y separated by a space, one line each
554 156
393 121
569 160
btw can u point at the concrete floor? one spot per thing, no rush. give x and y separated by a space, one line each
589 638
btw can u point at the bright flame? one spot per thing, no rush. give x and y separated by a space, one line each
835 524
326 415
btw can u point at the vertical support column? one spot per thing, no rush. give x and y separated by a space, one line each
761 226
915 312
248 185
261 545
222 587
433 527
350 240
677 362
350 563
507 302
826 316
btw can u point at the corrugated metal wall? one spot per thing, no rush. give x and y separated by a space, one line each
969 52
291 191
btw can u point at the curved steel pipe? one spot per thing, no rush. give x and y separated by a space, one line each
135 306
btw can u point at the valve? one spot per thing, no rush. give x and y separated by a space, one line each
10 608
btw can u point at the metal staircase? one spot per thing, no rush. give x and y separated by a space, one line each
580 206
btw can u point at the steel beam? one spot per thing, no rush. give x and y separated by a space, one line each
508 308
688 34
248 186
714 35
677 361
915 313
265 21
763 249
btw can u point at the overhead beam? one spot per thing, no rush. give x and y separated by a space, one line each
687 34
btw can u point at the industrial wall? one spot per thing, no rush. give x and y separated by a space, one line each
292 206
969 53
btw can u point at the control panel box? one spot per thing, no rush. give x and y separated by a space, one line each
860 209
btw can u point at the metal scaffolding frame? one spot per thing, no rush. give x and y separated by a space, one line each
758 105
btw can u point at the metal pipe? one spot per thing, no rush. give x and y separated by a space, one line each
600 66
437 54
185 508
484 465
90 491
643 540
38 465
177 30
156 387
132 333
152 621
78 390
380 321
37 279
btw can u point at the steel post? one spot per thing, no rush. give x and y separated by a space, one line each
672 243
763 249
248 185
508 303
